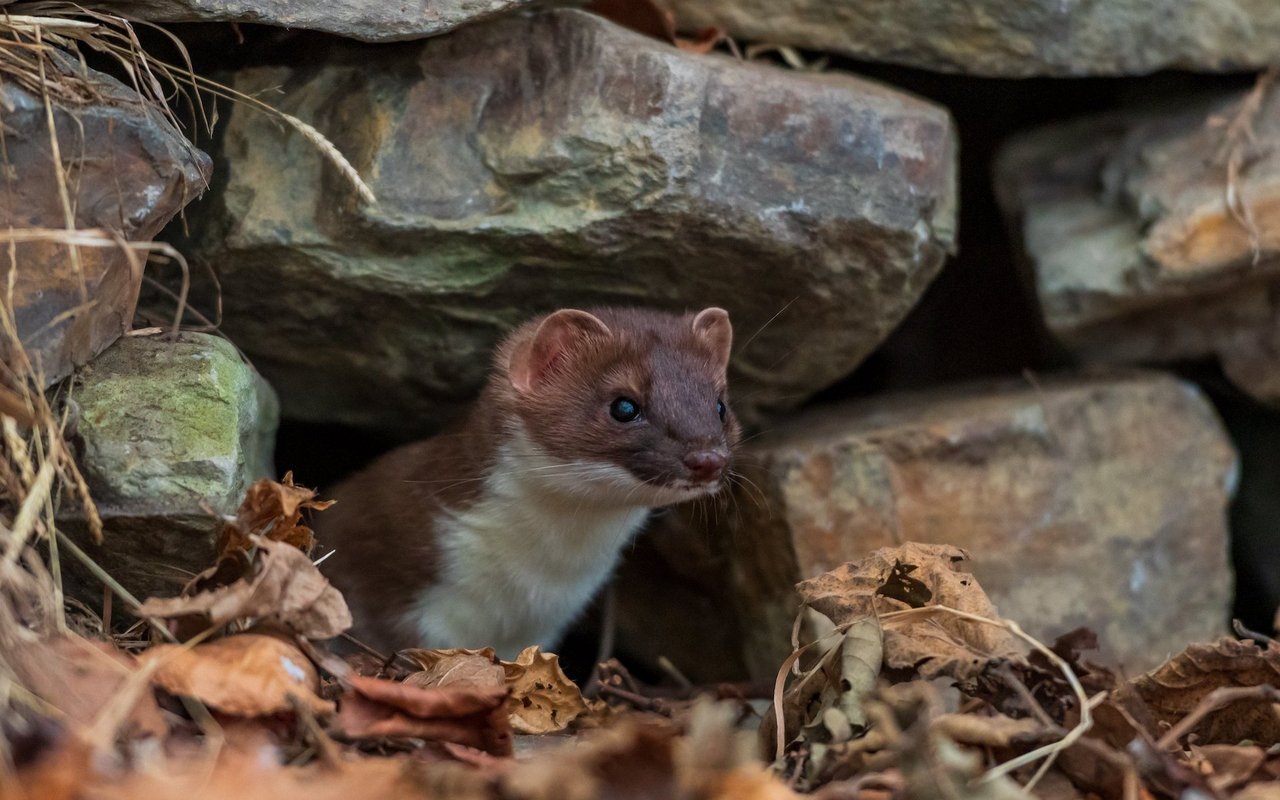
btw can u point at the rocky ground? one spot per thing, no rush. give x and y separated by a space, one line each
1003 276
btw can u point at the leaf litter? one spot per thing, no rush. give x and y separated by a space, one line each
904 683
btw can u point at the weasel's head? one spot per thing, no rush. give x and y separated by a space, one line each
623 405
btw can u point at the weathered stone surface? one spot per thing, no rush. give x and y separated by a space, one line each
1098 502
129 172
557 159
1011 37
172 433
357 19
1135 252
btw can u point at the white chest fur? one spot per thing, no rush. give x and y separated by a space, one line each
518 566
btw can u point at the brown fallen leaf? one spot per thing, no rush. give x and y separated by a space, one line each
273 510
247 675
373 708
285 588
81 679
916 575
543 699
1173 690
456 667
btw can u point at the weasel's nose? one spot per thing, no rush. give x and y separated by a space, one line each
706 465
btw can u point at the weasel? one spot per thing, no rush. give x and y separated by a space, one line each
499 531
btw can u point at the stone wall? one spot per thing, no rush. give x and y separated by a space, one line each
913 361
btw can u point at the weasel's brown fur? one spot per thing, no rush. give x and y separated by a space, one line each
539 473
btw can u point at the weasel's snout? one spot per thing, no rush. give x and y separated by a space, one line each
706 465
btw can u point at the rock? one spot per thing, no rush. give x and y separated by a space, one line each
1090 501
356 19
557 159
172 434
1135 253
1011 38
131 172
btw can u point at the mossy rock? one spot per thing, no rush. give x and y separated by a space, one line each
171 433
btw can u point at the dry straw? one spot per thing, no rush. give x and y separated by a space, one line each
42 48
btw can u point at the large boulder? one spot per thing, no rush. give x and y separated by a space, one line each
1137 251
1098 502
170 434
1011 38
357 19
557 159
126 171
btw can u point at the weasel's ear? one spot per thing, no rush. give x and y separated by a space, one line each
558 335
712 327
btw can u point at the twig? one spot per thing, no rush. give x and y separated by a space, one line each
1246 633
654 704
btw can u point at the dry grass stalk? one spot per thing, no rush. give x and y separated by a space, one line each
1238 138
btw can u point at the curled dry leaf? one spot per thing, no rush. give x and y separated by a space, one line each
456 667
273 510
916 576
1173 690
543 699
286 588
373 708
248 675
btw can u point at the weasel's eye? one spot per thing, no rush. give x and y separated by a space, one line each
721 409
624 409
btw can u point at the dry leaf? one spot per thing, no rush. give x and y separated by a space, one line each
456 667
930 762
916 576
825 703
374 708
81 678
543 699
286 589
248 675
273 510
1173 690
